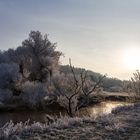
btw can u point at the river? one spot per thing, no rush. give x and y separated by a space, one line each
96 110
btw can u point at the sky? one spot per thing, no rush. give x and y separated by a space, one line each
95 34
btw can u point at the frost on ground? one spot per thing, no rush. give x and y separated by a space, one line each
122 124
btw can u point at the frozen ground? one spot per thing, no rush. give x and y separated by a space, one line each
122 124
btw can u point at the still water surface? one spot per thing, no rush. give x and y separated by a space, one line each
96 110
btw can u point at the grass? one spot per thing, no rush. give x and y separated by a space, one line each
122 124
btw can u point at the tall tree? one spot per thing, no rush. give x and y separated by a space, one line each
37 57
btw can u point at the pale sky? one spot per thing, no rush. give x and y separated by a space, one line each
95 34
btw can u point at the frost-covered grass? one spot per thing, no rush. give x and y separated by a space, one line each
122 124
126 108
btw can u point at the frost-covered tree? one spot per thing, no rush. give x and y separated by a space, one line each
26 69
127 86
9 81
9 76
33 94
71 87
44 58
135 85
6 95
67 92
37 57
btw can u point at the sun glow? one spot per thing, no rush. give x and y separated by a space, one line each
132 58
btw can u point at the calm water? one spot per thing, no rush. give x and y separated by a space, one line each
102 108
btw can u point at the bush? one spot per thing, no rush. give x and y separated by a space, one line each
5 95
8 75
33 94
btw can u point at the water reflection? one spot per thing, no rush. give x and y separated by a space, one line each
102 108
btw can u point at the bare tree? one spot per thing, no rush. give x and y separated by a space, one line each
89 87
135 83
70 87
127 86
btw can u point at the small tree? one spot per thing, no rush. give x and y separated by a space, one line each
127 86
135 83
67 90
71 87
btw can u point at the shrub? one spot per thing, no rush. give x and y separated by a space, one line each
5 95
8 75
33 94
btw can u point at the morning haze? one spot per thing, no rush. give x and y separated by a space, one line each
69 70
94 34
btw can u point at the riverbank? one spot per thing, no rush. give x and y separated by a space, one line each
18 105
39 116
123 124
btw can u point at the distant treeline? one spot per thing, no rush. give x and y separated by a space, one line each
108 84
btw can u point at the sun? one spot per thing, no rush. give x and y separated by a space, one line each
132 58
